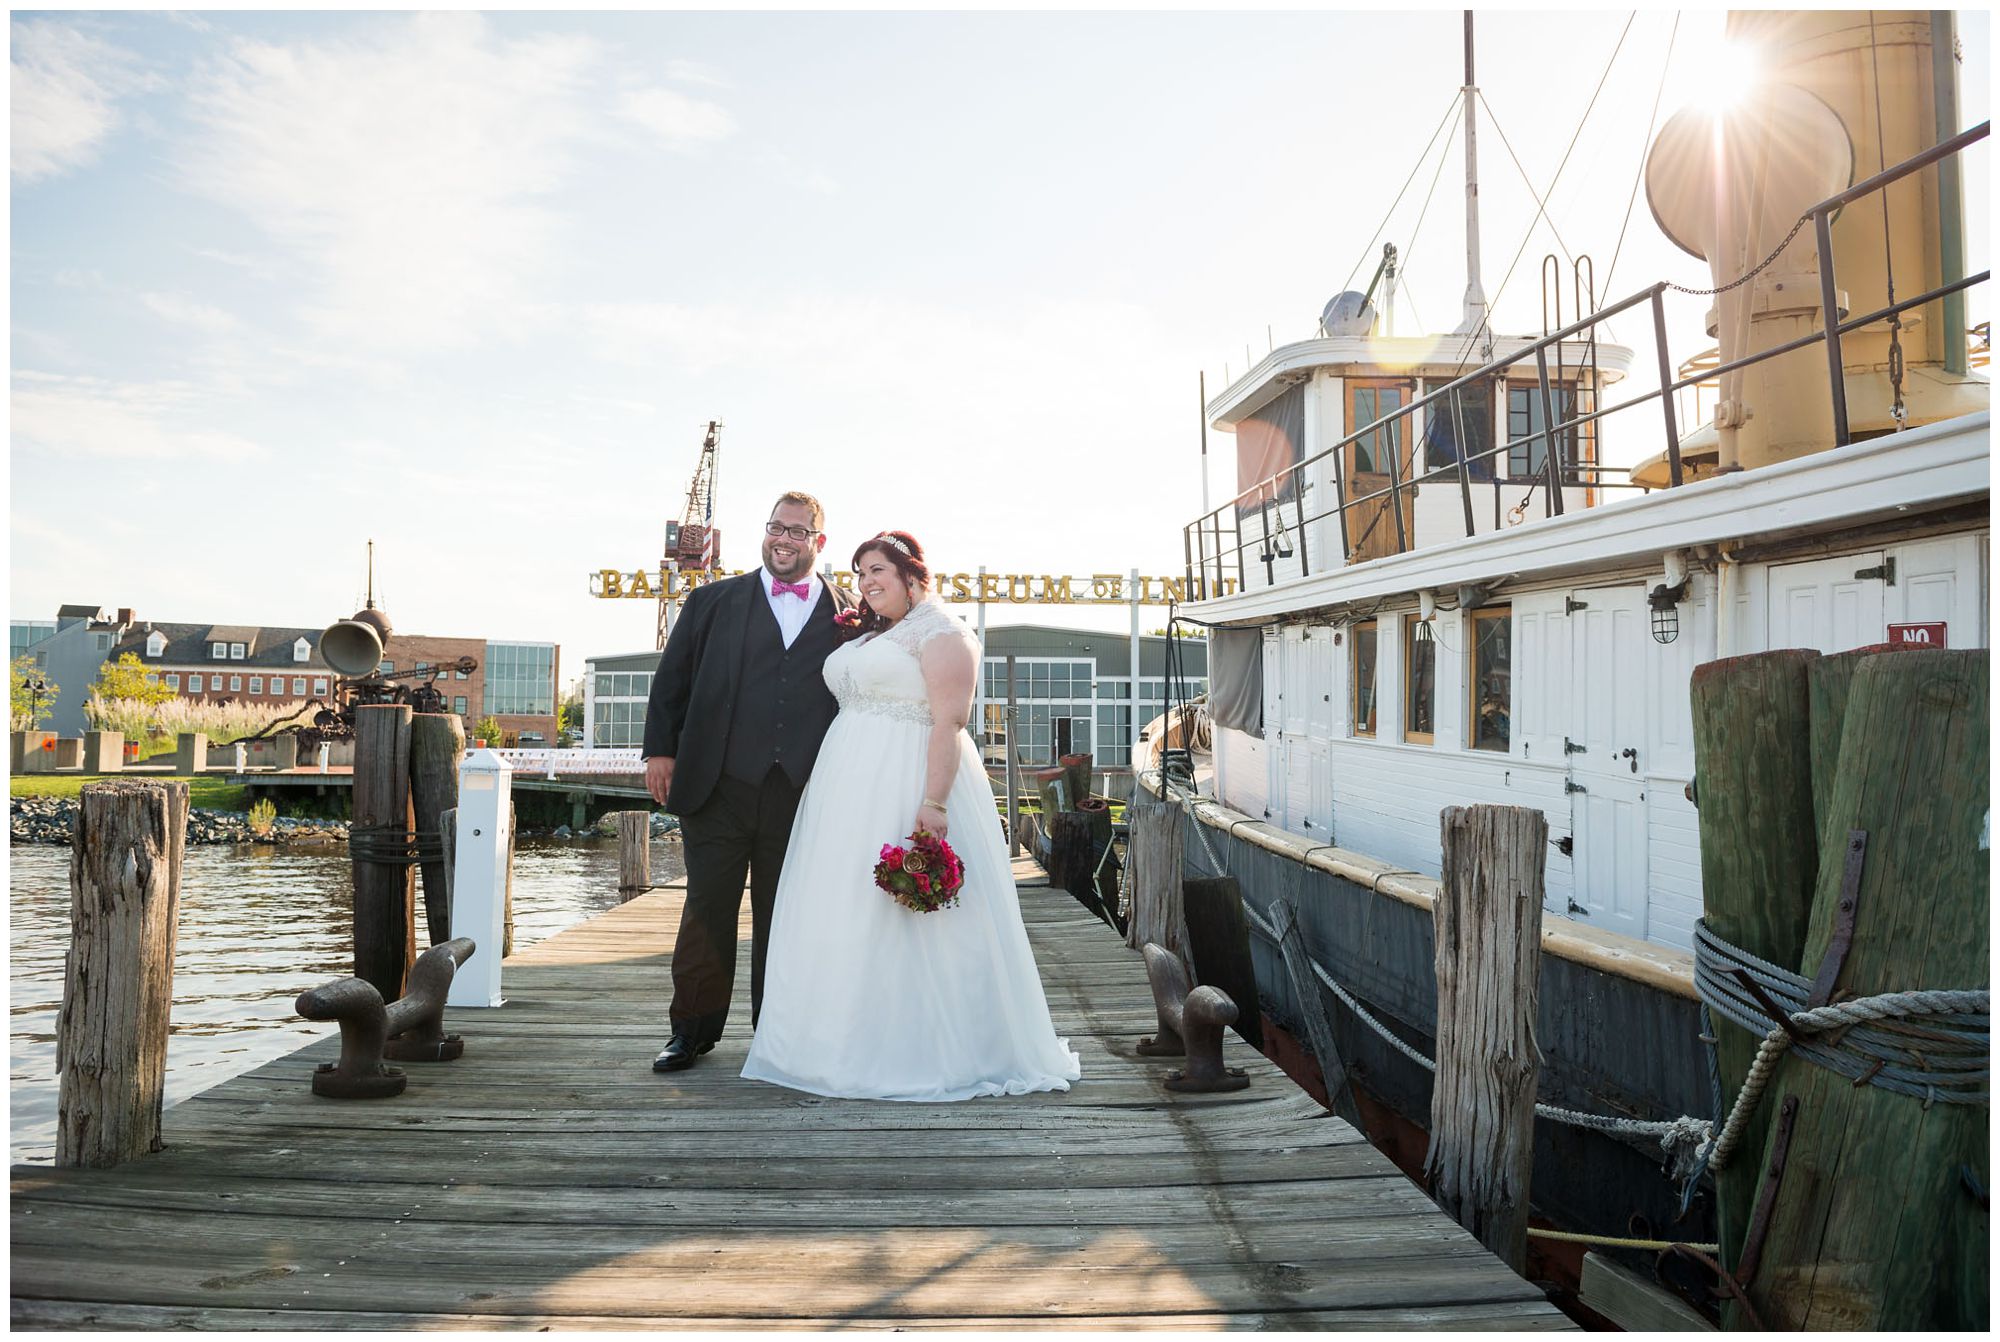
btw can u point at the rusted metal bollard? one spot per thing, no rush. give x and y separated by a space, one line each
1191 1024
416 1022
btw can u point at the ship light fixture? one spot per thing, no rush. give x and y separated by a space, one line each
1665 599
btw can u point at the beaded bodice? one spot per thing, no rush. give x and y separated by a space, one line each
882 675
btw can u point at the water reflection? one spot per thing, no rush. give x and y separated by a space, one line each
258 927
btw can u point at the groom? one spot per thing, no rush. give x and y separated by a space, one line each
736 717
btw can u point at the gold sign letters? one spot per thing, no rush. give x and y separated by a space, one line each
1019 589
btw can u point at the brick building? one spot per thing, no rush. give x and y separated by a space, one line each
513 682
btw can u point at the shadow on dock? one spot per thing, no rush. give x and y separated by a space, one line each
551 1179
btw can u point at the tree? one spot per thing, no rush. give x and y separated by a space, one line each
571 718
126 678
488 730
31 696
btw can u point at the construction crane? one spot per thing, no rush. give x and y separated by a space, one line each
694 543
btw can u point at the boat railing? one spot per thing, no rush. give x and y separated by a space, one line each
1215 544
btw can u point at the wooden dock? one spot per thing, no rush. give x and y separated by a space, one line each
549 1179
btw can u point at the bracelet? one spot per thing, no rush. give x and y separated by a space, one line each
937 804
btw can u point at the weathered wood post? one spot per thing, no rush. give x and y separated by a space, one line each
437 747
1153 848
1874 1224
1489 965
1754 801
383 889
1077 777
635 853
118 982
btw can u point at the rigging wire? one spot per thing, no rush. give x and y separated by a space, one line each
1410 247
1541 204
1368 249
1486 322
1640 174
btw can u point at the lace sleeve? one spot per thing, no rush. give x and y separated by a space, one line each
926 622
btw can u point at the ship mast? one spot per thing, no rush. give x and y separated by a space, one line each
1475 296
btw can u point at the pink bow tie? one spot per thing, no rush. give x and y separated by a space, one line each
797 589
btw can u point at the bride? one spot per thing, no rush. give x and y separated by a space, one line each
864 998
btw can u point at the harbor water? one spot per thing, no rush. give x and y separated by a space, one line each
258 926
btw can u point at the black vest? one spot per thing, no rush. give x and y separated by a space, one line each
782 705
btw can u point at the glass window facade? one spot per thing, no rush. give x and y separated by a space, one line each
521 678
1064 704
25 634
619 703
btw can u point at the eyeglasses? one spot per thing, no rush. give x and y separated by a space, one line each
776 529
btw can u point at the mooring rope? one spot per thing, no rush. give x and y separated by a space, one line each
1946 1061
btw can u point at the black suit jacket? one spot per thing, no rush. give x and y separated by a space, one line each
694 690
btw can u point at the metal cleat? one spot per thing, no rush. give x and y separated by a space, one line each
1192 1020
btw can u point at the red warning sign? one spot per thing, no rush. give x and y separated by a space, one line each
1917 635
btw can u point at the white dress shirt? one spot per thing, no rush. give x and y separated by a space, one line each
791 612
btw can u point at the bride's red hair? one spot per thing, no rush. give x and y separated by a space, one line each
901 549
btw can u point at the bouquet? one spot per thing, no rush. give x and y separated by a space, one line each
923 877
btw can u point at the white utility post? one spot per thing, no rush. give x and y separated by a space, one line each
242 757
479 876
325 753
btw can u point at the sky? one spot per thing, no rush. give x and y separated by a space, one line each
471 285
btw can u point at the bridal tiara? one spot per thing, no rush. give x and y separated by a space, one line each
885 536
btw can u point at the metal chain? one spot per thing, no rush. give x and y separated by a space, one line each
1751 274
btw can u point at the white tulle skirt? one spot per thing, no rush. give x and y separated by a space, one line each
865 999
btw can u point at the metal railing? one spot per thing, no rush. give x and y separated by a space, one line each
1211 549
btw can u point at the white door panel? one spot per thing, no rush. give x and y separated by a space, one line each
1825 605
1612 672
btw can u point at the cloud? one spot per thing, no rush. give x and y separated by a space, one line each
676 120
181 310
66 86
88 417
410 167
694 72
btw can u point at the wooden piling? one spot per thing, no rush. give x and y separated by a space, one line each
1759 858
1153 853
1828 681
1875 1225
1488 920
448 844
437 748
118 982
635 853
513 829
1076 777
383 904
1306 991
1219 948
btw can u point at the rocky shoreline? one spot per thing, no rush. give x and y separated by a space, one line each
52 820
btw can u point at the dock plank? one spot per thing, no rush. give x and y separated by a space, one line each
549 1179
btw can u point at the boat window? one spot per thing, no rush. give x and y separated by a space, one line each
1419 683
1364 678
1460 425
1366 403
1492 679
1528 454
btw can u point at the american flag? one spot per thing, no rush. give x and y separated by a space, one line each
707 533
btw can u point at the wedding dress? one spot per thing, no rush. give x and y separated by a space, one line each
864 998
